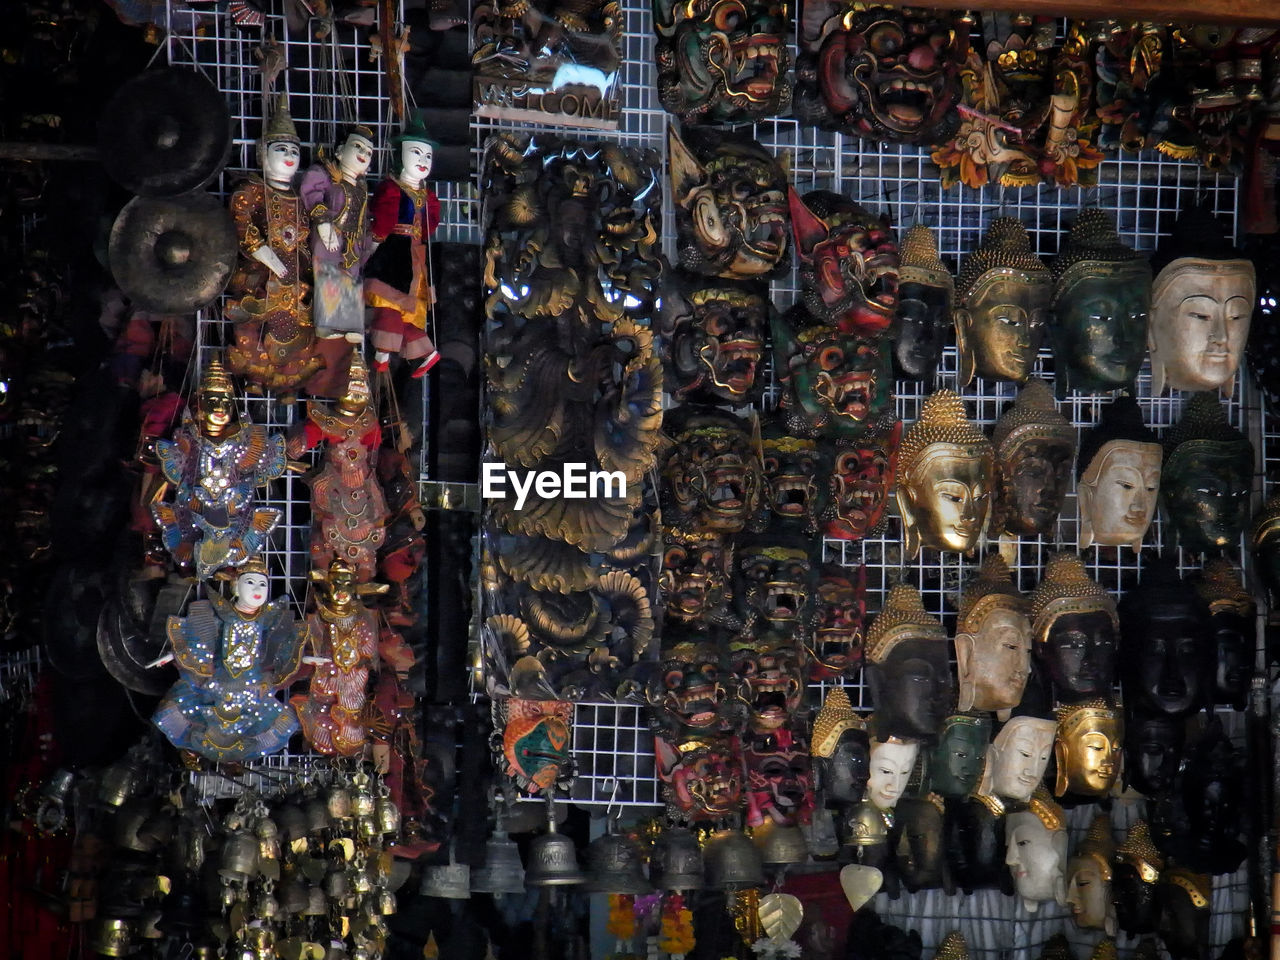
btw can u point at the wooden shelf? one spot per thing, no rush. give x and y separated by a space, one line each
1238 12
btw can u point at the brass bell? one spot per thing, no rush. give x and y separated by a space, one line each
386 812
120 781
317 905
732 862
677 861
386 903
502 871
451 881
129 821
780 844
336 885
338 802
317 813
159 828
368 828
613 866
362 801
267 907
293 897
239 856
291 822
361 882
112 937
553 861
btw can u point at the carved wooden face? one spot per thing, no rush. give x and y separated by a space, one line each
911 688
1002 323
1088 754
536 742
924 319
1018 757
1079 653
1100 324
845 773
957 760
723 61
1036 857
994 661
838 627
861 478
836 384
690 691
695 574
947 498
918 853
704 782
1135 900
718 345
1205 487
1034 476
891 766
891 75
731 216
1200 322
780 780
711 479
793 470
1088 893
1118 496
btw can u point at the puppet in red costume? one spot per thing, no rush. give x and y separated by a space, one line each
397 281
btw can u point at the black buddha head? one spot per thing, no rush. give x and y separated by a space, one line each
1213 796
975 843
841 750
1133 881
1166 642
917 839
1184 898
1074 628
1207 477
925 292
1152 751
1232 616
956 764
1035 447
908 670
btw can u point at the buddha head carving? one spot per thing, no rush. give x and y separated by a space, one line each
1213 796
1036 854
1264 543
1153 751
946 476
1002 294
1035 446
1119 477
711 476
1101 303
956 764
1017 758
841 749
835 383
862 477
717 335
702 778
838 624
993 640
695 575
1168 650
1184 898
907 668
1135 870
774 581
1201 305
770 672
793 469
888 75
975 842
731 205
892 761
1089 879
1207 477
918 850
1232 622
723 61
848 262
925 292
1087 748
1075 625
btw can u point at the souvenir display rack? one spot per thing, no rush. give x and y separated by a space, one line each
338 80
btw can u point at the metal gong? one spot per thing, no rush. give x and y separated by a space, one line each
165 132
172 255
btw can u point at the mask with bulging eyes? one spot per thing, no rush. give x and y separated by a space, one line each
717 337
780 778
702 778
770 671
862 477
793 468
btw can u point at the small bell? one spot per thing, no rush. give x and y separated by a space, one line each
732 861
386 812
553 860
386 903
291 822
239 856
159 828
613 866
120 781
338 802
112 937
780 844
336 886
316 812
267 907
317 905
293 897
502 871
362 800
450 882
677 861
368 828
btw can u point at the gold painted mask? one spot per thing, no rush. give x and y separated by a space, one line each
1089 879
1087 748
993 641
946 473
1119 478
1003 294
